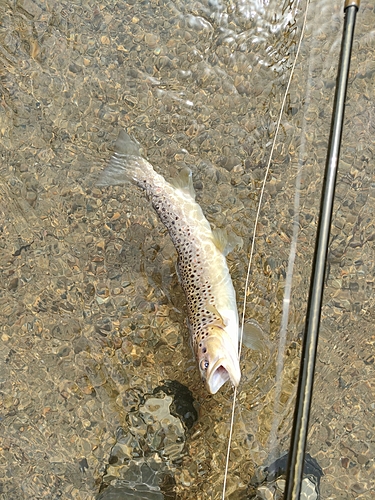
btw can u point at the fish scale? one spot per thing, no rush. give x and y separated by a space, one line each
189 266
202 267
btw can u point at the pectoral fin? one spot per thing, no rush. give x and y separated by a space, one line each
219 321
253 336
184 182
226 242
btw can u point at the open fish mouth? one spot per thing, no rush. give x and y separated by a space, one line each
220 373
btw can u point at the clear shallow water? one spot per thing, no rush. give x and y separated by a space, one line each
93 318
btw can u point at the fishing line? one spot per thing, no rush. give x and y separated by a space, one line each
271 445
253 245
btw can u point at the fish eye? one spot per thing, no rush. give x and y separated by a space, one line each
204 364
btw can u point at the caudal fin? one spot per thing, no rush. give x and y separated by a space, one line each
125 145
126 165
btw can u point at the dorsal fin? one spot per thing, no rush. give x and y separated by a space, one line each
226 242
184 182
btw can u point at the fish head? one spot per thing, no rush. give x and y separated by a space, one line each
217 357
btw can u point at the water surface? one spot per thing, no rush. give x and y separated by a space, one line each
94 341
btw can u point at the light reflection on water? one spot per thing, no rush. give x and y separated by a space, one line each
93 317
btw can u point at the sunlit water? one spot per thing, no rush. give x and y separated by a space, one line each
92 315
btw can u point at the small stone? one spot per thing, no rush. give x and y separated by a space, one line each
151 40
105 40
345 462
229 162
115 216
31 197
362 459
265 493
31 8
13 284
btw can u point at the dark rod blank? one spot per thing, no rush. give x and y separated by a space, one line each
310 340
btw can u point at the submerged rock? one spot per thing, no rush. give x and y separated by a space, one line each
269 482
143 460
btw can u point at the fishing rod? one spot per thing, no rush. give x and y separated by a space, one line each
311 334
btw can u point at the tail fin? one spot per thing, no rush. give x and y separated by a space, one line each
126 145
126 165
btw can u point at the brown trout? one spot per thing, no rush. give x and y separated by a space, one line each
202 267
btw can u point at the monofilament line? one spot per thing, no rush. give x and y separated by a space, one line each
253 244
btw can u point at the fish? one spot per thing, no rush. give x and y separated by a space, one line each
201 267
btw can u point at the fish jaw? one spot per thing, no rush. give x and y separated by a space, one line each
221 372
218 360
